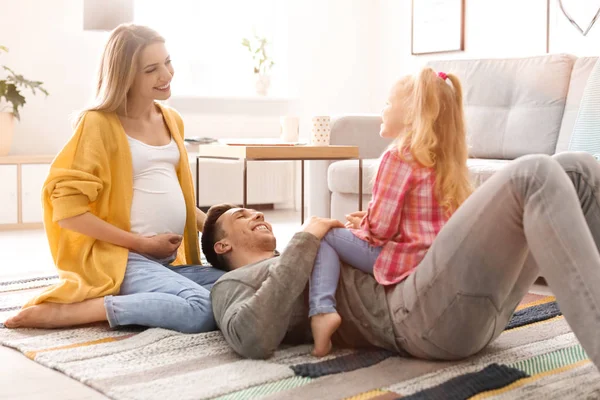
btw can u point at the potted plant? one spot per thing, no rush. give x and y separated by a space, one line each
257 46
10 101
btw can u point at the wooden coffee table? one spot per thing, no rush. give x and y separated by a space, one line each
278 153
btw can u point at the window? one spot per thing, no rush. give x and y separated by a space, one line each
204 39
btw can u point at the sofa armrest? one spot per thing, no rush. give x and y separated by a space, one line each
354 130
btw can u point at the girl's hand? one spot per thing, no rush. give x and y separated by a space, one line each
160 246
354 219
359 214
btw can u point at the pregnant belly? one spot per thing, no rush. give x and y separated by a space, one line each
154 212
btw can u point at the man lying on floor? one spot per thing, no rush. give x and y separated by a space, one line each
537 215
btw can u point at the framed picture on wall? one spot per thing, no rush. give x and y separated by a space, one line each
438 26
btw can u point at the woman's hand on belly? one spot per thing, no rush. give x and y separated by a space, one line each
159 246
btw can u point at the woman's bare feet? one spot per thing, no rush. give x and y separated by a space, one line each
323 326
55 315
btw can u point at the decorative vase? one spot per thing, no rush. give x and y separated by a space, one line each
263 82
7 129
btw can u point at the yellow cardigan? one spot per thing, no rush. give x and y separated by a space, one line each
94 173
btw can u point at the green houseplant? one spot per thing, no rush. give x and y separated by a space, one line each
262 62
10 101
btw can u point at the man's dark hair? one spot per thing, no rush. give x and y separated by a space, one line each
212 233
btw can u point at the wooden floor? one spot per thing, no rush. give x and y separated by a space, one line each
21 378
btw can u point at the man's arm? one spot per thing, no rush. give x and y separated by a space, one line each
254 321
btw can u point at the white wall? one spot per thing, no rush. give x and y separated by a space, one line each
508 28
47 43
343 57
334 55
565 38
335 58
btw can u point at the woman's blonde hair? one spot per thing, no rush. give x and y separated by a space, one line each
434 132
119 65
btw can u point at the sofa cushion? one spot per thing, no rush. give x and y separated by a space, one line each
513 107
342 176
581 71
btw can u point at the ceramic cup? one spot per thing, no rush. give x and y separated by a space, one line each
321 131
289 128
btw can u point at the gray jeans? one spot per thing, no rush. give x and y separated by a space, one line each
539 215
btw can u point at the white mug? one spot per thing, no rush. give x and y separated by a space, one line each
289 128
320 131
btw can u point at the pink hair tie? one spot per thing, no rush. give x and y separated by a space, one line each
442 75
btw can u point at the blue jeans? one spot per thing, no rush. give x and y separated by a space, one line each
155 294
338 244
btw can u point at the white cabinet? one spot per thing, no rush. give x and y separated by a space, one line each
32 182
269 182
21 182
8 194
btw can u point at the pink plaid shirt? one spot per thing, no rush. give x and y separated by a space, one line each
403 217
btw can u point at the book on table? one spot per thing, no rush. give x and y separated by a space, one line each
258 142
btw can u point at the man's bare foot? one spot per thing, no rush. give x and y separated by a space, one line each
54 315
323 326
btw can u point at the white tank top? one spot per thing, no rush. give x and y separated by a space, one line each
158 205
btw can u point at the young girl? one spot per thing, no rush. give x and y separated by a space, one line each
119 207
422 179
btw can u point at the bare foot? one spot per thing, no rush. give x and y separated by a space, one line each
323 326
54 315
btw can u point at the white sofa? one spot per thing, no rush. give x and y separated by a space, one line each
513 107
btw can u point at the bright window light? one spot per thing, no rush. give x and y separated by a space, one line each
204 39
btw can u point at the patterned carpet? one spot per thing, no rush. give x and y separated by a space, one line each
536 357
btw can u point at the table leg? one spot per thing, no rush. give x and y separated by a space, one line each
301 192
245 179
360 184
197 182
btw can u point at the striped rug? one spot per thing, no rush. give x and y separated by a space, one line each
536 357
